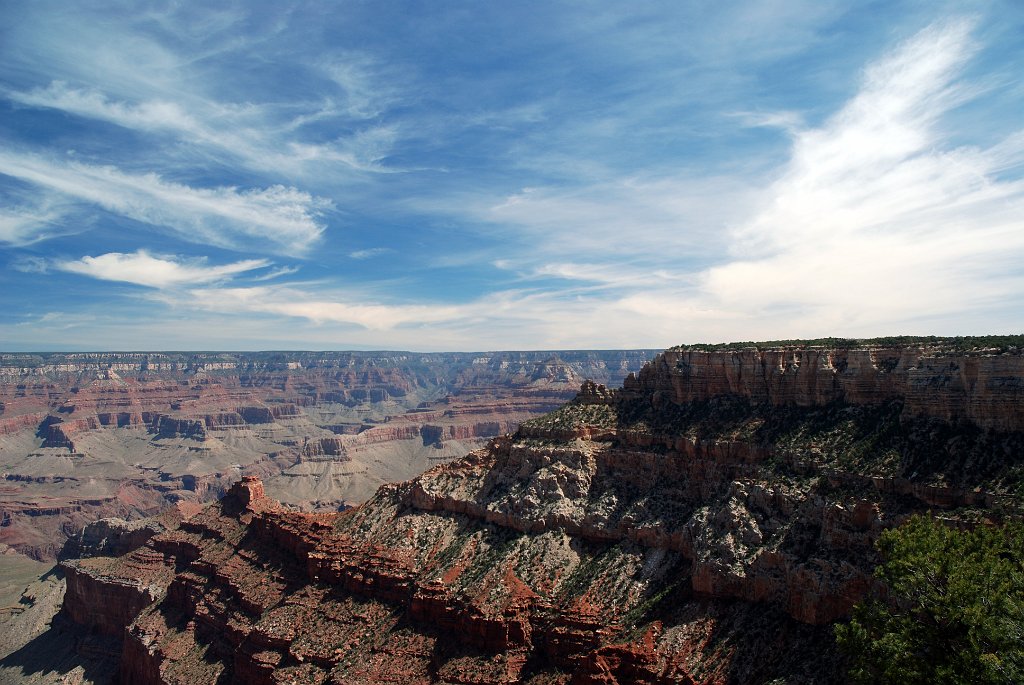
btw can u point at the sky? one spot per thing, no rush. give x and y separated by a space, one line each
469 175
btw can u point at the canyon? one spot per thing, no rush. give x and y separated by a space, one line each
89 436
706 522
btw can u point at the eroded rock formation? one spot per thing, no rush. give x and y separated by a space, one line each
688 528
90 436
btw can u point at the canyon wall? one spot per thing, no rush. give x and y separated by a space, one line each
697 526
984 387
90 436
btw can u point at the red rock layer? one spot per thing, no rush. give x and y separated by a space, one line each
651 535
292 596
14 424
56 413
374 595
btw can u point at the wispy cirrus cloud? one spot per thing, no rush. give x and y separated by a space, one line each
366 151
524 318
875 223
877 219
142 268
146 115
368 88
659 219
261 137
789 121
33 220
314 307
276 273
609 177
369 252
284 219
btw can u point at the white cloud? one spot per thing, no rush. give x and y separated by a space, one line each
277 273
876 219
511 319
369 252
875 225
89 102
297 303
30 265
788 121
143 268
363 151
664 220
33 217
53 320
279 218
250 134
614 275
366 90
23 225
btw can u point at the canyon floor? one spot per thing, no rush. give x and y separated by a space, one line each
38 646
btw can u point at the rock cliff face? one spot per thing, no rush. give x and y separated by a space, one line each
90 436
984 389
692 527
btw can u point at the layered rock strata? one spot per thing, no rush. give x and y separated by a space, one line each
90 436
638 536
983 387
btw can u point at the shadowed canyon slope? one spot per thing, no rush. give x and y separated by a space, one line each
86 436
703 524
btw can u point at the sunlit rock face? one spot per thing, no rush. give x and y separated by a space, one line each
91 436
652 534
983 387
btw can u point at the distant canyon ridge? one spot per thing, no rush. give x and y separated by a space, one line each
92 435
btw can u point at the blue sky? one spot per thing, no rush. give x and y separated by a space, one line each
530 175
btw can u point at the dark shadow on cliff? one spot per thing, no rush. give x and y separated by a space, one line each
64 647
757 643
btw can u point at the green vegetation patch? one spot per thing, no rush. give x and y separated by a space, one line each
575 415
725 417
952 611
604 561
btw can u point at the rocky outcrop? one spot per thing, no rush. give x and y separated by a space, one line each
726 545
983 387
107 603
170 427
256 415
261 593
637 535
111 537
10 425
324 447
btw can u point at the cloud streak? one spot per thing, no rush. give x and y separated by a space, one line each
875 224
31 222
149 115
259 136
297 303
876 220
284 219
142 268
369 252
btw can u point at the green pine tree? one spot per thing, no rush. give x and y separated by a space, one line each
953 611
